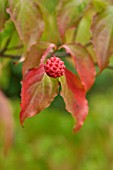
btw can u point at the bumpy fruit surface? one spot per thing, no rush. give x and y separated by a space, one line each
54 67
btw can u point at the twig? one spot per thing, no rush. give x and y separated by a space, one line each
10 56
58 54
76 30
14 48
61 54
6 45
88 44
109 67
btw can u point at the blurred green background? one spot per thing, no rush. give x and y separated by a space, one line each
47 141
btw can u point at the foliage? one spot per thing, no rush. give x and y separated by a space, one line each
78 32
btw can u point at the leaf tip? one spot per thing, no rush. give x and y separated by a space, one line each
77 126
21 119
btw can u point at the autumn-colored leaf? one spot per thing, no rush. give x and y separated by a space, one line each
68 13
27 18
73 94
32 59
38 91
3 14
36 55
50 49
102 36
6 121
83 63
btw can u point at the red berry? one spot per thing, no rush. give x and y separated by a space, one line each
54 67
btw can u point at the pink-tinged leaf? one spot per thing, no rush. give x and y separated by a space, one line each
37 55
3 14
38 91
48 51
27 18
83 63
73 94
102 36
68 13
6 121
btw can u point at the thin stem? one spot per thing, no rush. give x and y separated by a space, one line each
15 48
61 54
109 67
6 45
76 29
74 34
88 44
2 52
58 54
10 56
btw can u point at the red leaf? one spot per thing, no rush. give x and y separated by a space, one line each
73 94
6 120
38 91
83 63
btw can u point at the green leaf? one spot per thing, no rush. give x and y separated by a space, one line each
51 33
10 41
50 6
38 91
3 14
5 33
27 18
68 13
100 5
83 34
102 36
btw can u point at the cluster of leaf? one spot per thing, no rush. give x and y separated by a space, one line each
79 32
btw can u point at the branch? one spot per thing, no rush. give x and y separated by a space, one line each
76 30
6 45
2 52
10 56
88 44
58 54
61 54
109 67
15 48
